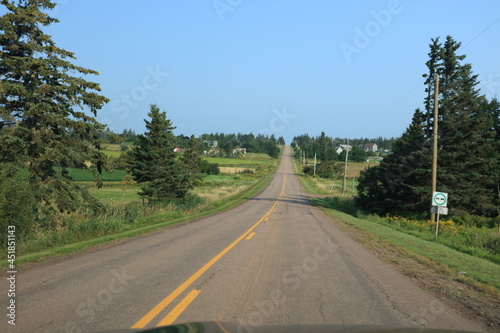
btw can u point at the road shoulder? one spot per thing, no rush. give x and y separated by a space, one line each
477 302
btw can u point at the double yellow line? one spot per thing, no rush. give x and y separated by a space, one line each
176 312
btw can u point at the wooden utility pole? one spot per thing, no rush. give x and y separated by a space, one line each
314 173
344 185
435 141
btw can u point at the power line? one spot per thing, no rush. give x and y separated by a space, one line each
473 39
420 82
392 106
485 84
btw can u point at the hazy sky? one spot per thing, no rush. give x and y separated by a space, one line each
288 67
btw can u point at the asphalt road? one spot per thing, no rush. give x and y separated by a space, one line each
272 260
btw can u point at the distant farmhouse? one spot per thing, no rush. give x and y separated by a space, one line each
213 149
369 147
210 143
242 151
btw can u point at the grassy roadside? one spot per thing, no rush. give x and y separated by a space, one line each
146 224
478 269
466 283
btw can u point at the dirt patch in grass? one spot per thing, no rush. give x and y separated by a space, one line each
233 169
354 168
475 301
221 192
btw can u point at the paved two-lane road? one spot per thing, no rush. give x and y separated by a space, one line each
272 260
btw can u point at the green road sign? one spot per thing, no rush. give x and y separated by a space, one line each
439 199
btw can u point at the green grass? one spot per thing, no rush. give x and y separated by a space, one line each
112 153
480 269
116 193
218 177
84 175
112 146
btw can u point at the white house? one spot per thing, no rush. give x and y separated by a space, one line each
369 147
240 151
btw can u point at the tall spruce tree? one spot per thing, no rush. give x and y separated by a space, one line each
154 164
47 108
466 135
468 146
322 154
493 108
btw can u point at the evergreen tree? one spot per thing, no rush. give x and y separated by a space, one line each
322 153
154 164
493 109
193 163
468 146
400 183
357 155
43 97
466 135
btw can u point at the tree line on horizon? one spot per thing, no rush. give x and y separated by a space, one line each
325 147
220 144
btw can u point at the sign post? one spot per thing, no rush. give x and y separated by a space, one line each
439 203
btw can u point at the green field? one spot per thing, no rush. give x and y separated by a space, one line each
84 175
112 190
218 178
111 147
112 153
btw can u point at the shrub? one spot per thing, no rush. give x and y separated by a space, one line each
17 204
209 168
324 170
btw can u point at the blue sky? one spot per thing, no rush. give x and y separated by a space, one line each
348 68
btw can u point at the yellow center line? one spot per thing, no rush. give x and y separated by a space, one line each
250 236
267 218
167 300
179 308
